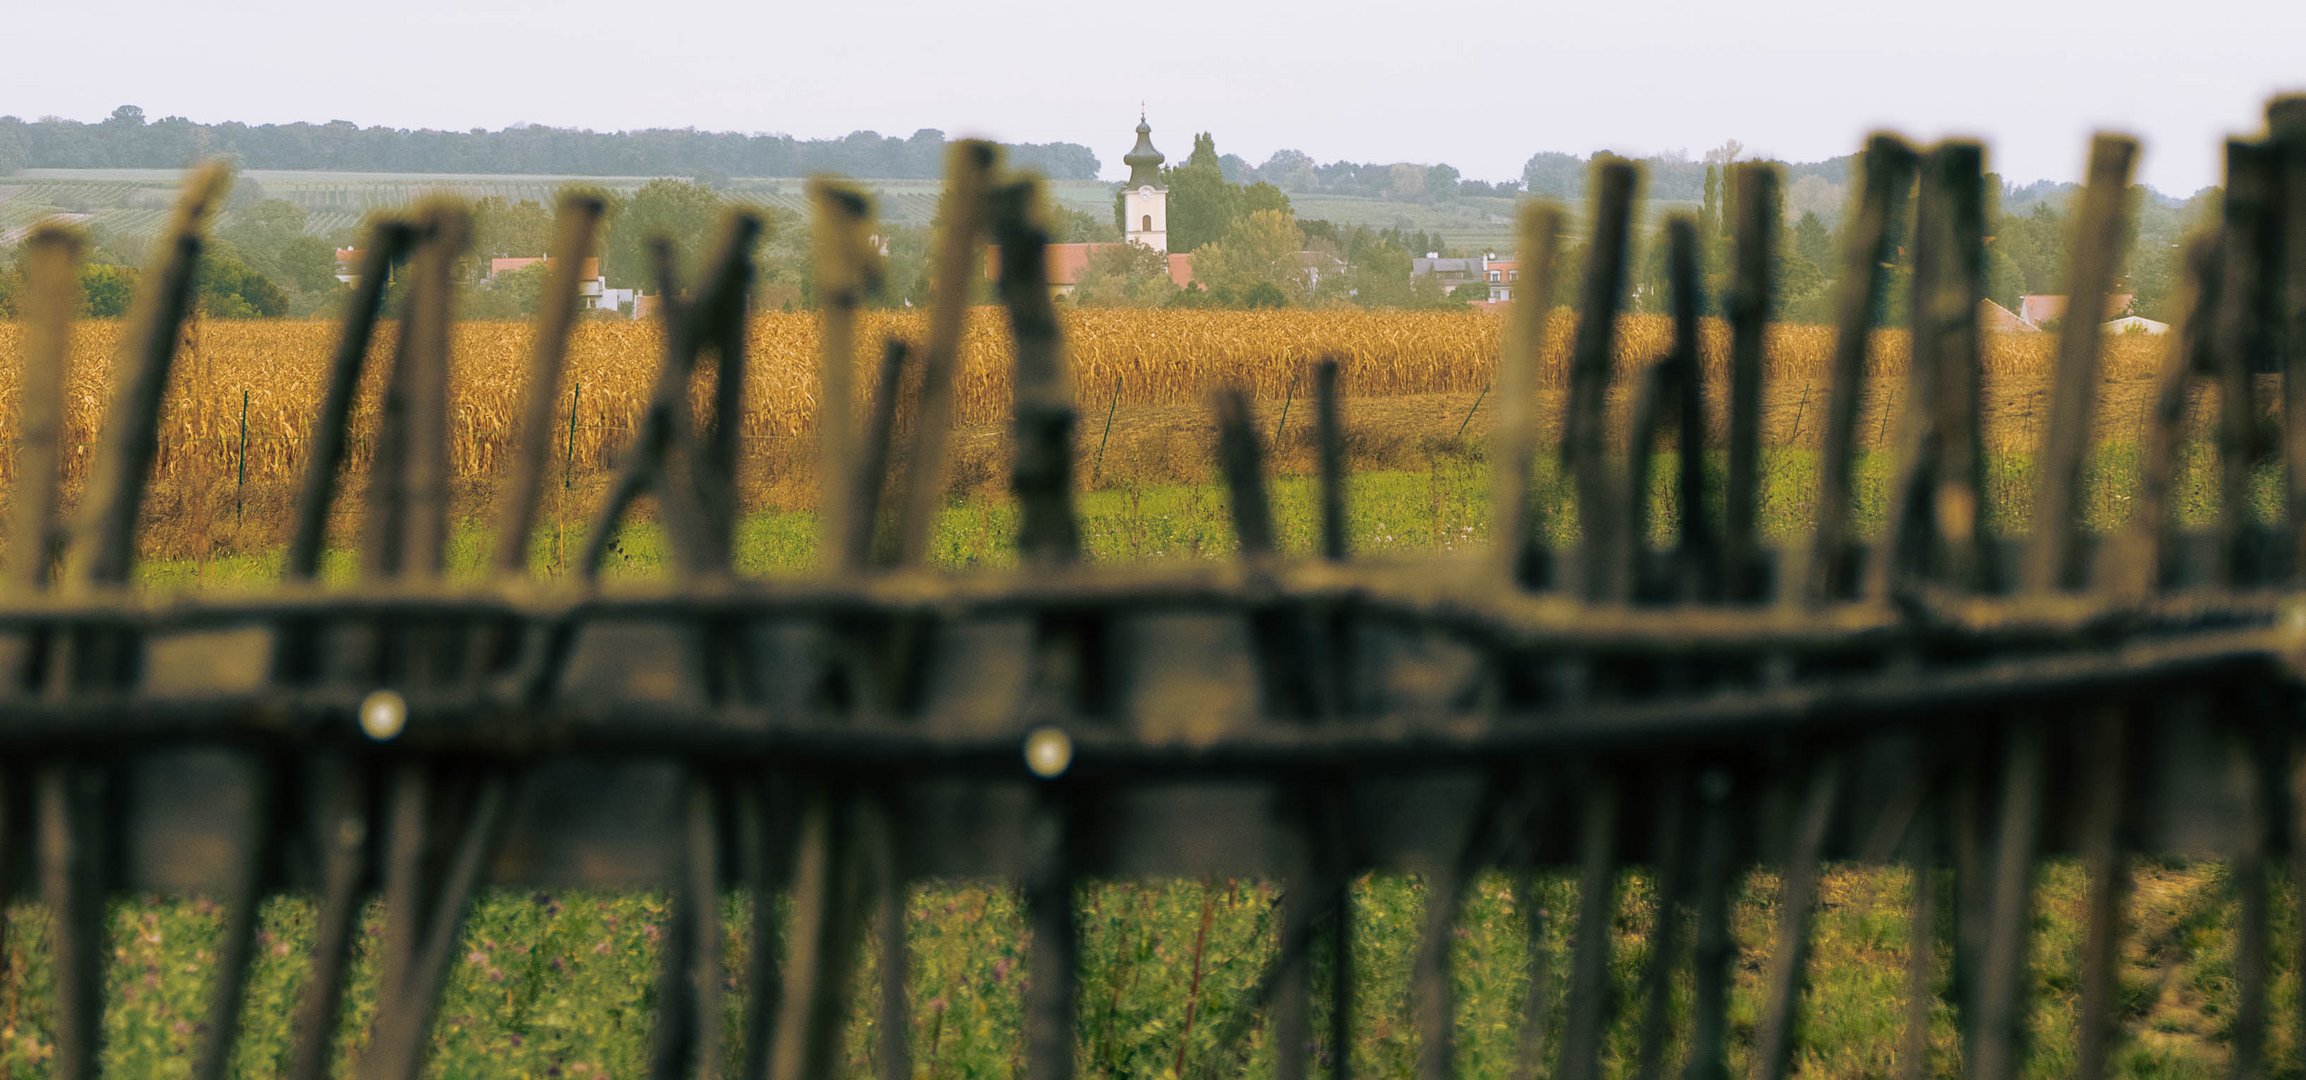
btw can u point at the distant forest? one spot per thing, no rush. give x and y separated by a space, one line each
128 140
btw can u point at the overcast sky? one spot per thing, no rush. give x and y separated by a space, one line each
1478 85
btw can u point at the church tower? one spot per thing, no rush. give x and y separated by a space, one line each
1145 205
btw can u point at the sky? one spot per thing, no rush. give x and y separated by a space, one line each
1480 86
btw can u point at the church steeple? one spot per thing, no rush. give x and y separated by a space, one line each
1145 203
1144 162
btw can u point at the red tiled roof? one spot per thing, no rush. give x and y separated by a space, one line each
2041 309
591 268
1181 269
1993 318
1066 261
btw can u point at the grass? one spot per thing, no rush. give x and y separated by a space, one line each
562 984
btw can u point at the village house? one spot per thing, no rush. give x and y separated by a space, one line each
1501 275
2038 313
2136 324
1448 272
1993 318
1496 276
593 292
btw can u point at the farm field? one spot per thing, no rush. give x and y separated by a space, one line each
1141 381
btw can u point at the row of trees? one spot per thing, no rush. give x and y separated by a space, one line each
226 288
1672 176
126 139
1296 172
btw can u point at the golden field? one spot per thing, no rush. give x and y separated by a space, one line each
1127 359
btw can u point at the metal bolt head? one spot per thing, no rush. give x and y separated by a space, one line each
383 715
1048 753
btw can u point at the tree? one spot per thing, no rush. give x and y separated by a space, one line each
503 229
1289 170
308 265
1070 226
1709 223
1205 154
1201 205
510 295
1124 276
262 228
1650 278
1816 195
1813 243
1554 175
1256 262
2036 244
1379 275
1803 294
1441 182
12 148
105 290
2004 281
231 289
682 211
905 271
127 139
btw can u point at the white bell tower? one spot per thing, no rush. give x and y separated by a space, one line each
1145 202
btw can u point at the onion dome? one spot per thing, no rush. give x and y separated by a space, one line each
1144 162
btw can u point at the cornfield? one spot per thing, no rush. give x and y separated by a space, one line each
271 372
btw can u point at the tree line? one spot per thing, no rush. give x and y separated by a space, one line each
128 139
